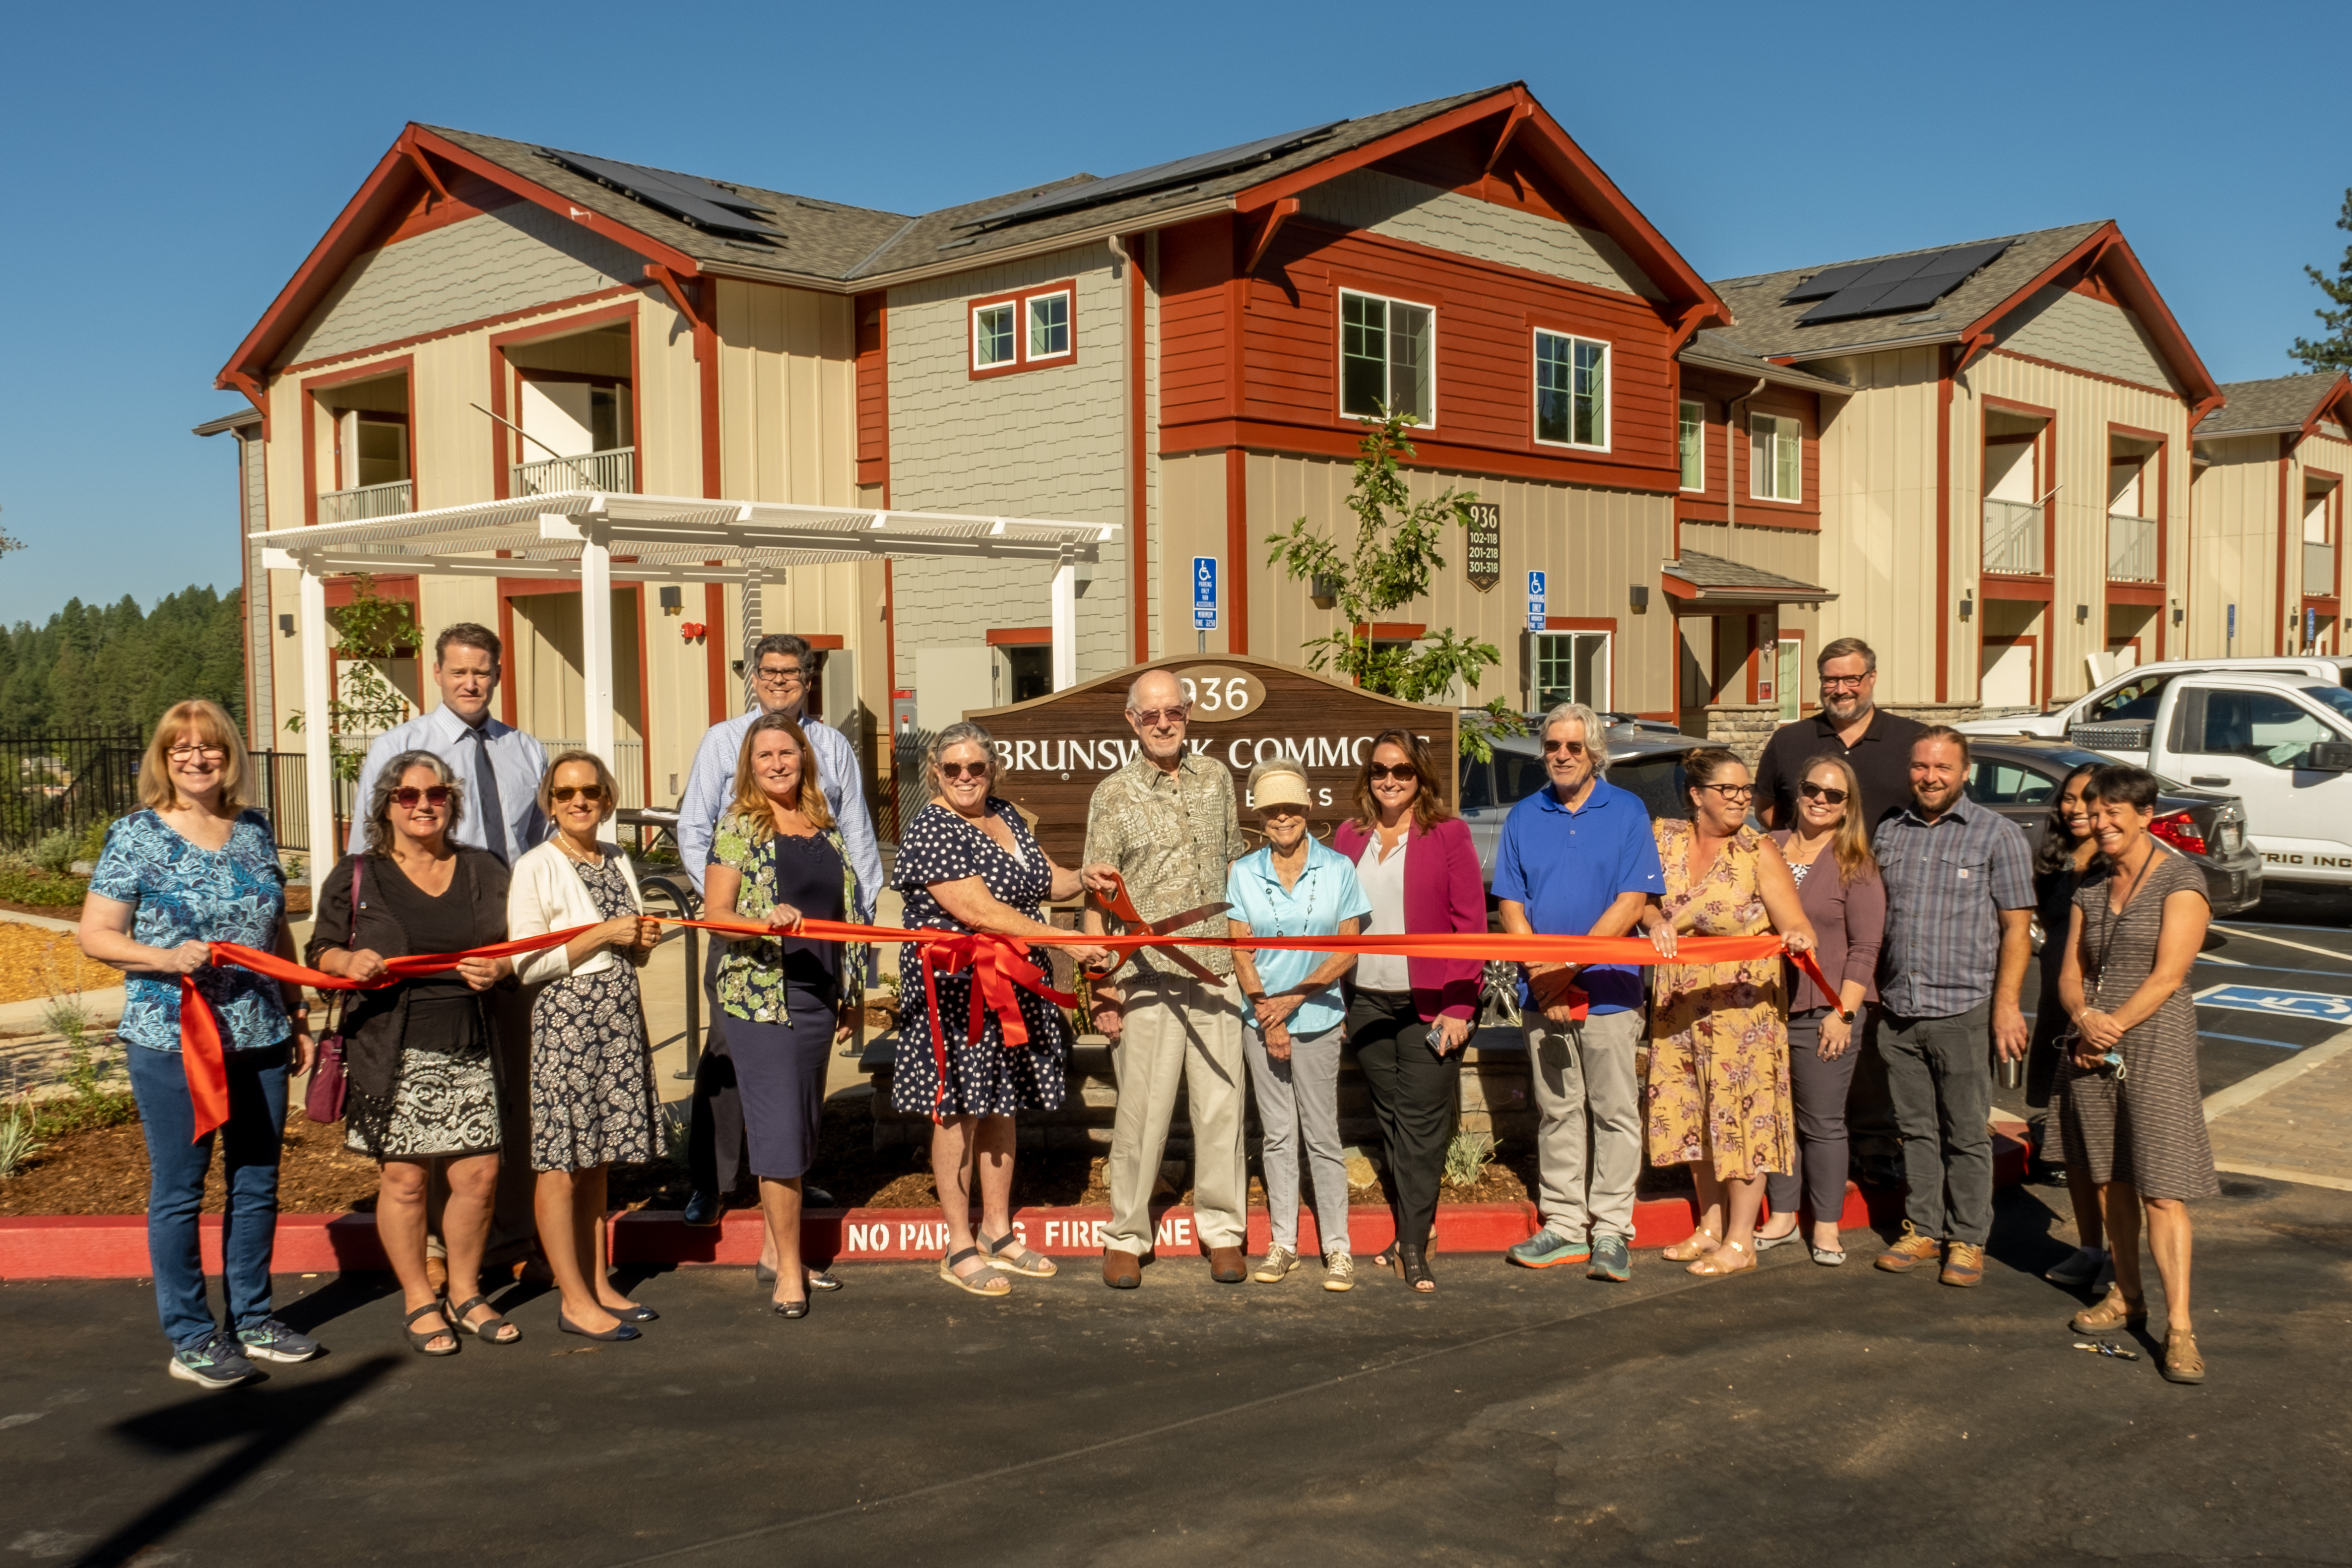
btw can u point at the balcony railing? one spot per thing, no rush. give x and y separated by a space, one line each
2319 569
368 501
614 472
627 763
2012 538
2131 549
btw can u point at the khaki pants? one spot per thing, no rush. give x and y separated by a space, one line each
1176 1029
1582 1075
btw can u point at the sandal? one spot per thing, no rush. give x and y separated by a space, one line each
1386 1258
1020 1260
1712 1265
421 1343
1698 1243
2111 1311
981 1281
492 1327
2181 1362
1412 1268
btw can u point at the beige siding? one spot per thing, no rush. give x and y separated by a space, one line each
510 259
2235 552
787 394
1445 220
669 402
1878 516
2072 329
1593 544
1045 443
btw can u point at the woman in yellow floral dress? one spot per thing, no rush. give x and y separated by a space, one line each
1717 1095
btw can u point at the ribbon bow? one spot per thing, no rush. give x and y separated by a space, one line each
1000 965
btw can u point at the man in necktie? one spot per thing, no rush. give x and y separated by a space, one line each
500 767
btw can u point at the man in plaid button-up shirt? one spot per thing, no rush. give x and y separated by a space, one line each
1166 824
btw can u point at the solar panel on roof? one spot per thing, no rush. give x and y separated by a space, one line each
1826 282
683 196
1183 170
1902 282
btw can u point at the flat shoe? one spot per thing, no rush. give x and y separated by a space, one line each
1828 1257
617 1333
793 1309
819 1279
633 1313
1767 1243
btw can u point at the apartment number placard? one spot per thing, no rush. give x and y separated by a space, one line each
1485 547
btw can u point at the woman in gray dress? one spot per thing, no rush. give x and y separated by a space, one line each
2133 1116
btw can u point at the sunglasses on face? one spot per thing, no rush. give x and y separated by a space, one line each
1812 791
963 770
1146 717
1564 748
564 794
1403 773
407 795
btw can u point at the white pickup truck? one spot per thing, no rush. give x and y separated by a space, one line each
2275 734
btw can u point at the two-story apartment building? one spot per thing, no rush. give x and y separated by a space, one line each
2267 518
1183 352
2004 489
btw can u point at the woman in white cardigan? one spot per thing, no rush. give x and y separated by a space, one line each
591 1074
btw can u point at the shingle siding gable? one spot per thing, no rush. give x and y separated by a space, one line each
2071 329
1404 209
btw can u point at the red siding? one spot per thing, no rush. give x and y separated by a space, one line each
1718 391
1194 263
873 390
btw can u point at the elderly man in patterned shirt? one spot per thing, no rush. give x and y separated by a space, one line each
1165 823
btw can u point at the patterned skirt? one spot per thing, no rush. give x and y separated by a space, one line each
591 1073
447 1104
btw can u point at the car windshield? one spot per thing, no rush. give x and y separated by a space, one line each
2066 759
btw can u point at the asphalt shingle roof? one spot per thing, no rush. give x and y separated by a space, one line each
1704 571
2283 403
1712 350
1766 326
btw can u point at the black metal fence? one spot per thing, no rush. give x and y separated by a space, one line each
54 783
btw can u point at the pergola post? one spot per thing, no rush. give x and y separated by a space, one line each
596 641
318 732
1065 624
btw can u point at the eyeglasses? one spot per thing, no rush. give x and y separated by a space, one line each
1733 791
188 751
1812 791
1403 773
1564 748
780 677
407 795
963 770
563 794
1146 717
1844 682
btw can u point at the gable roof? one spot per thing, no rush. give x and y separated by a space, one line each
1715 348
1711 579
1768 323
2287 404
839 248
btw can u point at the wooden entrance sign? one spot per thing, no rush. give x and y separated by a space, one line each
1052 752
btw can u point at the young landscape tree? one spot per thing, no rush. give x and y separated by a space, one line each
1390 563
2334 351
368 631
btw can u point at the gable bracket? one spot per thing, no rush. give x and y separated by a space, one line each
1282 211
423 164
675 287
1519 116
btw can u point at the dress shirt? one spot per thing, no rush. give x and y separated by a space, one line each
1326 893
1947 882
519 762
710 792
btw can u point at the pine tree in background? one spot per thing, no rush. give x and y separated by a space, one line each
102 670
2331 353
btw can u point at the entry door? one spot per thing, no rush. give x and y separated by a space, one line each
2008 674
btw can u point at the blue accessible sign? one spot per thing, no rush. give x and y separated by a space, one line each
2318 1006
1204 593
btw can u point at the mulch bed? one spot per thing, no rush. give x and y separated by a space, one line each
52 912
36 962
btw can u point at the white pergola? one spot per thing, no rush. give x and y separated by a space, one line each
577 534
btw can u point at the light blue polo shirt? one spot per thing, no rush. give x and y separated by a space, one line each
1326 893
1566 867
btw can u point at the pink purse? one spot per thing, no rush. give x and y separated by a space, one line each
323 1100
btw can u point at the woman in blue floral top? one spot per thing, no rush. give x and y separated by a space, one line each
778 859
194 867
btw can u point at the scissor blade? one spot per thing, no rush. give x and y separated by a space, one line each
1189 916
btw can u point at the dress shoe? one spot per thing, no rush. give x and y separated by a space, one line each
1124 1271
701 1209
1226 1265
815 1197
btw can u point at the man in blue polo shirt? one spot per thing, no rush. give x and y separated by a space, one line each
1579 859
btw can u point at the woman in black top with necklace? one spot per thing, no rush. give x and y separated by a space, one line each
2067 853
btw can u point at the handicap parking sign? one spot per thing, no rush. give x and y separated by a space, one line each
2318 1006
1204 593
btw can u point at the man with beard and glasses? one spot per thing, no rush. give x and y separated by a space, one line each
1875 745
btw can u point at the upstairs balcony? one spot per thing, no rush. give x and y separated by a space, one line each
612 472
364 501
2012 538
2131 549
2319 570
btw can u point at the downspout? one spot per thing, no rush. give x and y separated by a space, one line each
1731 433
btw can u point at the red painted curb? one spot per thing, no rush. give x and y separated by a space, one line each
115 1247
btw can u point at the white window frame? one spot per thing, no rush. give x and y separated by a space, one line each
1607 699
1012 307
1680 409
1428 418
1535 388
1757 471
1029 303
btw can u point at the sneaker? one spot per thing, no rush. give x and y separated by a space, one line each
1908 1253
270 1339
1548 1250
214 1362
1275 1266
1610 1258
1963 1264
2080 1269
1339 1270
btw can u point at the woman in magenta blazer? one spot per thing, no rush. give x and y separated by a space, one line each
1407 1019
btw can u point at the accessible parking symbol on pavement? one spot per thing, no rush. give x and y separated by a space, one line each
2317 1006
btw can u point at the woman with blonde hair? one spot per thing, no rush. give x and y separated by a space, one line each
778 859
192 867
592 1072
1828 852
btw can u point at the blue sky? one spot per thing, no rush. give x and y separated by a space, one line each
168 166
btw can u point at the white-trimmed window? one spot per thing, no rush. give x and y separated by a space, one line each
994 345
1776 449
1572 666
1387 357
1693 433
1049 324
1571 391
